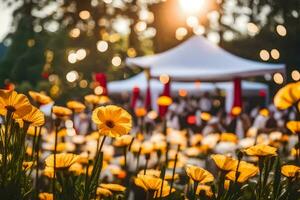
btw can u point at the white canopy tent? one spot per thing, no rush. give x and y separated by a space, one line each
140 80
199 59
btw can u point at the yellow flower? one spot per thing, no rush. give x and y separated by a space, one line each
287 96
226 184
224 163
229 137
76 168
123 141
49 172
156 173
294 151
63 160
45 196
205 116
261 150
61 111
164 101
147 147
103 99
13 102
293 126
27 165
290 171
40 98
76 106
113 187
140 112
245 171
165 192
35 117
264 112
148 182
112 120
199 174
206 189
103 192
32 131
92 99
236 110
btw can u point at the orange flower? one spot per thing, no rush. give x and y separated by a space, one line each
261 150
287 96
264 112
245 171
199 174
76 106
112 120
35 117
104 99
63 160
290 171
206 189
61 112
224 163
228 137
40 98
293 126
92 99
205 116
15 103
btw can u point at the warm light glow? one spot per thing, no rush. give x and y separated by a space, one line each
83 84
192 21
191 6
140 26
264 55
199 30
252 28
74 33
72 76
80 54
164 78
278 78
131 52
84 14
116 61
181 32
295 75
275 54
98 90
182 93
281 30
102 46
72 58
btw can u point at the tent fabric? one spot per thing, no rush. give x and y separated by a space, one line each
198 59
140 81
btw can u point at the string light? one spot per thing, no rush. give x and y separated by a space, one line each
72 58
191 6
275 54
116 61
74 33
80 54
164 78
72 76
264 55
278 78
84 14
281 30
131 52
140 26
252 29
295 75
98 90
181 32
192 21
102 46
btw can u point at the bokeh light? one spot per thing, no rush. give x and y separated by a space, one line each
278 78
102 46
72 57
181 32
80 54
281 30
191 6
252 28
84 14
164 78
275 54
264 55
116 61
295 75
98 90
72 76
74 33
192 21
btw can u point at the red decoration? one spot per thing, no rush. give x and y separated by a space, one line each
237 98
166 92
135 96
148 97
101 79
191 120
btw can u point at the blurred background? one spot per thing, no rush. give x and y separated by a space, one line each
57 45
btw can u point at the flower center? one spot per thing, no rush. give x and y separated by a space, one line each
109 124
10 108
